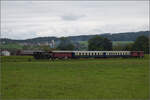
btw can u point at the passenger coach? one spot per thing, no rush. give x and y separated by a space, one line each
101 54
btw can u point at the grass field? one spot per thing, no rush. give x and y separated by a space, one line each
123 43
113 42
11 46
74 79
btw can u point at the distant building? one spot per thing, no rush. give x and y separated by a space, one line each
46 43
52 44
5 53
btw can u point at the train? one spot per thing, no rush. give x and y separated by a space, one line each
87 54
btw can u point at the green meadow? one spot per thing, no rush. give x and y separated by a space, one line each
113 78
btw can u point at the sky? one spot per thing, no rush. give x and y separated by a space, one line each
30 19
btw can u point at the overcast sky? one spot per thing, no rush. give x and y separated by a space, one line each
29 19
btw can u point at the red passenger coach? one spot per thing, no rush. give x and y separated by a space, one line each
63 54
137 53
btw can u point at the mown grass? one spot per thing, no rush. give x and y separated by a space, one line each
11 46
75 79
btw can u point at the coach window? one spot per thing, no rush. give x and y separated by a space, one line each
86 53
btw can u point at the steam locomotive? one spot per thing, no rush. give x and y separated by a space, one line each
87 54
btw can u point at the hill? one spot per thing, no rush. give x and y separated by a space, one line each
128 36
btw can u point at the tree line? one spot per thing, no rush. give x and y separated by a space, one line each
99 43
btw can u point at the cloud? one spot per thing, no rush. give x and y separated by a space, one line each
71 17
21 20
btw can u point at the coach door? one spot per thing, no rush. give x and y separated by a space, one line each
104 54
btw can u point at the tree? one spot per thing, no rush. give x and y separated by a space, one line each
128 47
99 43
141 44
45 48
65 44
